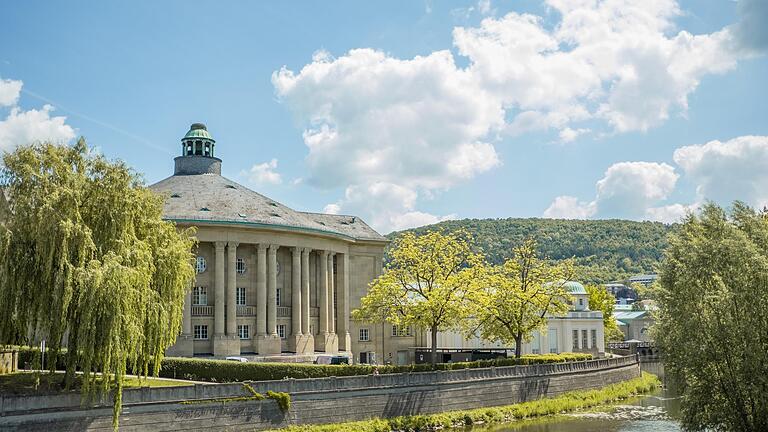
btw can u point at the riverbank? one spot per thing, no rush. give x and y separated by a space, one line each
567 402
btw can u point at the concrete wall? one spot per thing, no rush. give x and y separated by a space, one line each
325 400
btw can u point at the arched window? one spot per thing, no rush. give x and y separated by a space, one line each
207 149
198 148
189 148
200 264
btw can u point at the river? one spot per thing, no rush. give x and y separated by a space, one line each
654 412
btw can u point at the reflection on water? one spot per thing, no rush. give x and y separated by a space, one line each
650 413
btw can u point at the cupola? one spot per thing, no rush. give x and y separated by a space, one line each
197 142
197 153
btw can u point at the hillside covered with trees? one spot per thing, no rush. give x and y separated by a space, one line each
604 250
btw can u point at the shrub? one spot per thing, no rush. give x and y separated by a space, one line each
228 371
283 399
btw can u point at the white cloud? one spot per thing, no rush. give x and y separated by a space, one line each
484 7
751 30
627 190
728 171
390 207
568 135
613 60
669 213
569 207
25 127
9 92
264 173
425 124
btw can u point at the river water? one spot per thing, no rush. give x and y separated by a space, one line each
654 412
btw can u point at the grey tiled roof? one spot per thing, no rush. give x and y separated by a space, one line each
213 198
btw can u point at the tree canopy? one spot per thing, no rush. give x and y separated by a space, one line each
712 321
516 297
603 250
601 300
86 261
425 284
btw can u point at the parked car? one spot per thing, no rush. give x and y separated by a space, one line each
238 359
332 360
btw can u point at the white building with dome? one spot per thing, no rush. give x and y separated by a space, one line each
271 281
579 330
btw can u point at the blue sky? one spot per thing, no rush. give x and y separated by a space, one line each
409 112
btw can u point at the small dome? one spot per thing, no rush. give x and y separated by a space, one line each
575 287
198 130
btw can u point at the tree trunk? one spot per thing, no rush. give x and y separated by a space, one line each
518 345
434 345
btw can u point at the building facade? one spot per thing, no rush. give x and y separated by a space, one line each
579 330
270 279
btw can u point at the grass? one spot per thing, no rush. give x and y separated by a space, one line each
567 402
35 383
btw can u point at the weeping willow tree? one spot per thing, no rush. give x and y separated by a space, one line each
87 262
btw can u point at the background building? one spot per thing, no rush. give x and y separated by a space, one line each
270 279
579 330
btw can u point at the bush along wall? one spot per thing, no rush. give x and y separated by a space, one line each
228 371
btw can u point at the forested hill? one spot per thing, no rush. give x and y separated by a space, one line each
605 250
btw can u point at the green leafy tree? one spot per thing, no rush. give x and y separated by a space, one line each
425 284
603 250
712 321
87 261
601 300
516 297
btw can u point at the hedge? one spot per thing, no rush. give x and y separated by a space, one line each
198 369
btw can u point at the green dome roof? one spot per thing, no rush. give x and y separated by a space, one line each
575 287
198 130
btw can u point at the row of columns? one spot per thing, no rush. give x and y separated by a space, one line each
225 306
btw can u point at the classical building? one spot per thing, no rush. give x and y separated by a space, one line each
270 279
579 330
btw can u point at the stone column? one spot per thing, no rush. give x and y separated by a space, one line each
261 290
305 291
220 297
342 299
232 289
296 292
331 295
323 291
272 291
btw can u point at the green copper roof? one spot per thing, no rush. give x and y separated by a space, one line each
575 287
198 130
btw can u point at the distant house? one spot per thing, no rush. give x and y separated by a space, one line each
635 325
645 279
579 330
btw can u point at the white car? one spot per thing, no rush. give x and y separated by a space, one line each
238 359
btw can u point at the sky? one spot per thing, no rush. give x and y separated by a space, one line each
411 112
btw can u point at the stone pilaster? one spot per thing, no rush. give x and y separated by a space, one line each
308 340
219 297
232 289
331 341
342 277
270 344
261 290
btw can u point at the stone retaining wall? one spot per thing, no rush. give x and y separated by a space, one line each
323 400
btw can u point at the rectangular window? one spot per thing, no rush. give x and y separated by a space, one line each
401 331
281 331
584 340
364 336
277 297
552 341
199 296
243 331
575 340
201 332
594 338
240 297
